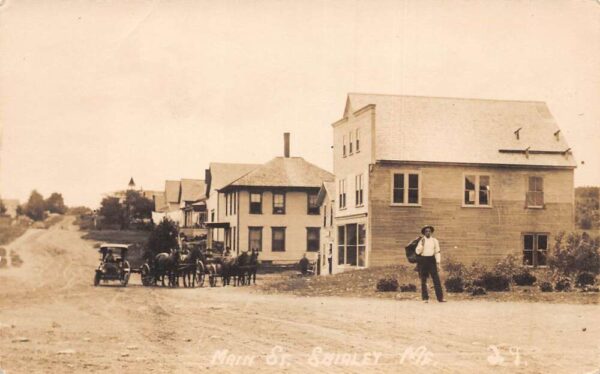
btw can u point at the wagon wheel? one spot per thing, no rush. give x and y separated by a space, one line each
97 277
199 274
147 278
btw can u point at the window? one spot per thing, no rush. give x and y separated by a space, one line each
350 143
352 245
313 239
331 215
234 203
278 203
535 249
255 203
477 190
325 215
359 190
278 239
212 215
342 192
226 203
357 140
344 146
535 192
255 238
405 189
233 237
313 205
341 245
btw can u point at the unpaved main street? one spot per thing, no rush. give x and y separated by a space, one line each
53 320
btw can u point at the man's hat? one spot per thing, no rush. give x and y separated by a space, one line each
427 227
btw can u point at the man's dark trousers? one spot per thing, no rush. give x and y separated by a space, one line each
428 267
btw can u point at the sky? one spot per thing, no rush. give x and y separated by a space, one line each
95 92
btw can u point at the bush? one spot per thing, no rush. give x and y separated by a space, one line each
524 278
585 278
546 287
575 253
454 268
387 285
509 266
478 291
563 285
495 282
408 288
455 284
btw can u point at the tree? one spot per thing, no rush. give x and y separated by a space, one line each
163 237
138 206
112 210
587 207
2 208
56 204
35 207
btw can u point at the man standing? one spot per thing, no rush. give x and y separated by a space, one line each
428 260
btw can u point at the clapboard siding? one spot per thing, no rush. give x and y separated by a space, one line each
466 234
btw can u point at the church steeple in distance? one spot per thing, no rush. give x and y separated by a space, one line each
131 183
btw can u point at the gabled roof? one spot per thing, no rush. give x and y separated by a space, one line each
436 129
284 172
224 173
172 191
160 204
327 189
192 189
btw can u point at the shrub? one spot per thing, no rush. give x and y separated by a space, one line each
563 284
454 284
454 268
509 266
495 282
585 278
408 288
524 278
575 253
478 291
546 287
387 285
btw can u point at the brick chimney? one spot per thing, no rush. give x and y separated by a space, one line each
286 144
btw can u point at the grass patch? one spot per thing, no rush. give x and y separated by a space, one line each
10 233
118 236
363 283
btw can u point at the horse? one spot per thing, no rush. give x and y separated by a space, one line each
165 264
252 267
189 266
241 268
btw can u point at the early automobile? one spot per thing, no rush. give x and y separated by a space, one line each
113 264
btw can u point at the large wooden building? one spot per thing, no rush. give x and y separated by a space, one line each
494 178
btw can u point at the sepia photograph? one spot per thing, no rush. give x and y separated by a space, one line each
319 186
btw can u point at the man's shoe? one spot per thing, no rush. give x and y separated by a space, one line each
426 301
442 301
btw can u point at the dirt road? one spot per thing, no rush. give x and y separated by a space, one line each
53 320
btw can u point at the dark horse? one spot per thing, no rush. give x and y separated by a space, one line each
189 265
252 267
165 264
234 268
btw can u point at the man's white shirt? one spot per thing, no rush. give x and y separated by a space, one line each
429 247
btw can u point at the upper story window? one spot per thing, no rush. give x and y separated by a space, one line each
344 145
358 198
350 143
406 188
325 215
313 205
535 192
342 193
278 203
357 140
255 203
477 190
212 215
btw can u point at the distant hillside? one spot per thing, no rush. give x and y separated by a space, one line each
587 207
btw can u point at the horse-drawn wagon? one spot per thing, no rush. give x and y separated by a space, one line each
187 264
